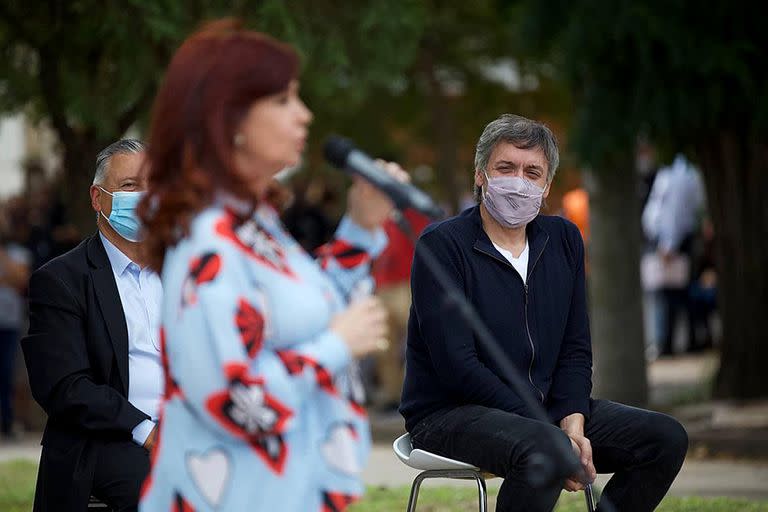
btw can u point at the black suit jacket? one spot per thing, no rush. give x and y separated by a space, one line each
77 358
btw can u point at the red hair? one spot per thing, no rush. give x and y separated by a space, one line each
211 82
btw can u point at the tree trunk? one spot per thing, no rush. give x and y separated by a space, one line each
444 126
443 123
736 174
79 167
618 341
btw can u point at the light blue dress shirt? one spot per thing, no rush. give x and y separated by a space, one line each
141 295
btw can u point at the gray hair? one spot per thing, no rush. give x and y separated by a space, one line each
522 133
121 147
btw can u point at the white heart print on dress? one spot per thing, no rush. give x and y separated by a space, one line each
210 474
340 449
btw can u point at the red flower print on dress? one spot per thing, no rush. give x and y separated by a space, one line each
202 269
337 501
171 386
295 364
250 323
348 256
254 241
180 504
247 411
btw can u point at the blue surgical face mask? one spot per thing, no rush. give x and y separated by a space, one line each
123 217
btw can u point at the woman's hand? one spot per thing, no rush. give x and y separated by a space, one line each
367 206
362 326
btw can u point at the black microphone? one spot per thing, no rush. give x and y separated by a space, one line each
341 153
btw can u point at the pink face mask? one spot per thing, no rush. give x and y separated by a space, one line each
511 200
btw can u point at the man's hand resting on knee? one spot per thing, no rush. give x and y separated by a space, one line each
573 426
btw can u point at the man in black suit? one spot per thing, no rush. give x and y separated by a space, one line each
92 351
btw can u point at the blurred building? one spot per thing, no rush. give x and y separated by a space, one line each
22 141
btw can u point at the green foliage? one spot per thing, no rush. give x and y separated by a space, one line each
455 83
94 66
675 71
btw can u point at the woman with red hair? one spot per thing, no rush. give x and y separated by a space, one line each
259 411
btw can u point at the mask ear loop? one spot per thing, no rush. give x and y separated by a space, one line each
109 194
487 181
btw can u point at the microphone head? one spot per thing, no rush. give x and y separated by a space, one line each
337 149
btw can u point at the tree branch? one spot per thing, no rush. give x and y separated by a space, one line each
128 117
15 26
50 87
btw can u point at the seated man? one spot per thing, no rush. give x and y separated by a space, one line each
93 352
524 274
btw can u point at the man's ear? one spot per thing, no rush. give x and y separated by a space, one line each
479 178
546 190
95 198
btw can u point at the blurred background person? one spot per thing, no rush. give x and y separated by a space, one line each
703 291
260 405
307 217
392 271
14 273
671 220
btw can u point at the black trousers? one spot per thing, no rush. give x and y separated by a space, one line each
117 479
643 449
111 470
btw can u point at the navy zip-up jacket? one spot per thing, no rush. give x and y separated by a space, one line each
542 326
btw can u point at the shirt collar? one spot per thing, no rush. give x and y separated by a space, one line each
117 259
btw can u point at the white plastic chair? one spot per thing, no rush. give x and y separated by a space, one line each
436 466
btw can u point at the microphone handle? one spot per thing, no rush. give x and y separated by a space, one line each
403 195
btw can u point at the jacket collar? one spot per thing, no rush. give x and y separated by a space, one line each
535 232
94 250
108 297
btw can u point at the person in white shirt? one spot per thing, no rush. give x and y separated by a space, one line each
93 350
670 221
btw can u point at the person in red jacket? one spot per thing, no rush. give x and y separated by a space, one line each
392 272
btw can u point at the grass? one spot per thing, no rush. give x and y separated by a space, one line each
17 487
450 499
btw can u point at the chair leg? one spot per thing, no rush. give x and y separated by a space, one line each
415 491
482 493
463 474
590 498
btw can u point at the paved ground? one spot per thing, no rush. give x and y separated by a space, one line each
697 478
732 428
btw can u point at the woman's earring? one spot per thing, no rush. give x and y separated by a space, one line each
239 140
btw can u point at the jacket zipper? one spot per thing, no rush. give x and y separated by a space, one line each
527 329
533 348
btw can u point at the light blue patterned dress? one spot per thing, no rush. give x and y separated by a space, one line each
261 409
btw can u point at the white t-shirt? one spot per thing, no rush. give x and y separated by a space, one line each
520 263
